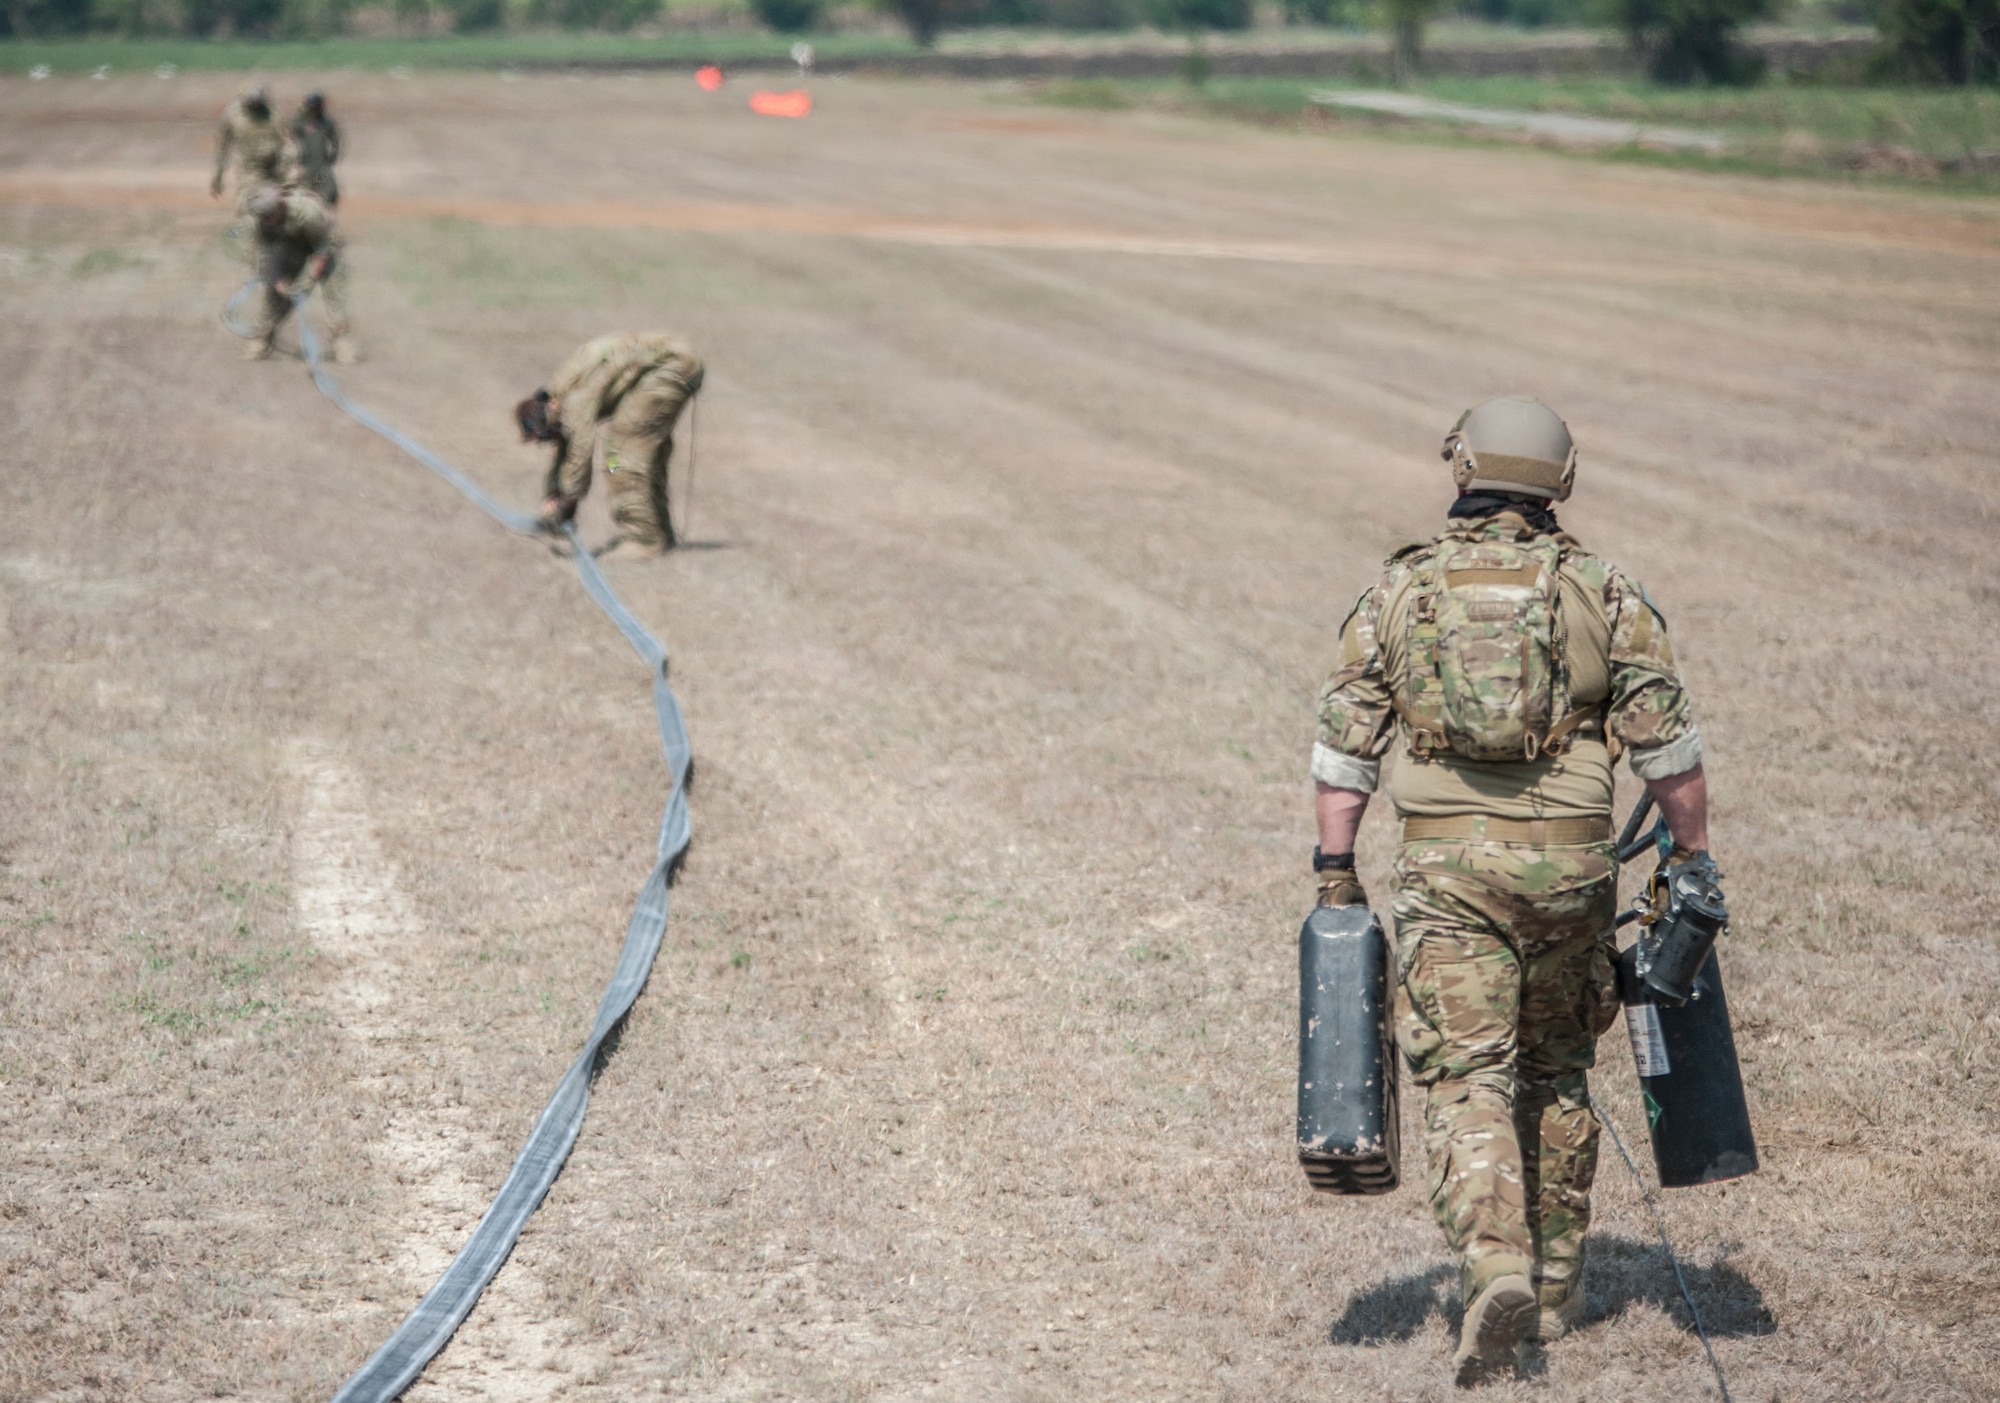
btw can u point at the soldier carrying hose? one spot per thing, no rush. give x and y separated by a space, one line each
1510 668
298 248
625 392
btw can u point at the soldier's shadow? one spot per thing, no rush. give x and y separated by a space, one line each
1392 1311
1624 1271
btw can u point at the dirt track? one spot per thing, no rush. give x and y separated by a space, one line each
967 1069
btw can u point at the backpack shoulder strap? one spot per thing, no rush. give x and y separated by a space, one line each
1563 577
1420 699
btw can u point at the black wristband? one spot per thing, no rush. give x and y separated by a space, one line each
1332 862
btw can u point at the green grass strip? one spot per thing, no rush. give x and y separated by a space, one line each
71 57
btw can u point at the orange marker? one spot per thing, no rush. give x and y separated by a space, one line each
797 103
708 77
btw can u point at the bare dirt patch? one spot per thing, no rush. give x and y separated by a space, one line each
352 908
966 1070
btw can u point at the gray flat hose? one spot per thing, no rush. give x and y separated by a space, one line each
395 1366
233 310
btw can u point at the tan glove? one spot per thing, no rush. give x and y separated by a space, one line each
1338 884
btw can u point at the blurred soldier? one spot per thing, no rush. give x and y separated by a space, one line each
628 389
316 140
298 249
249 134
1512 667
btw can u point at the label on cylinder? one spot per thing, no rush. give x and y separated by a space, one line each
1649 1044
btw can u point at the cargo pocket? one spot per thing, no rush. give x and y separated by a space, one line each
1600 992
1436 1170
1417 1032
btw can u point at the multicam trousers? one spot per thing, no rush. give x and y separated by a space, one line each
1504 954
242 230
638 442
287 263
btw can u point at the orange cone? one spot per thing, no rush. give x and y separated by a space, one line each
798 103
708 77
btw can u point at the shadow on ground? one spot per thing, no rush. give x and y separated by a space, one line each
1623 1271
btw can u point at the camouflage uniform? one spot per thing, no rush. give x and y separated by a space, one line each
1504 940
631 386
308 230
261 158
317 141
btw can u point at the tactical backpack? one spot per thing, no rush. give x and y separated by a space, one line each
1486 652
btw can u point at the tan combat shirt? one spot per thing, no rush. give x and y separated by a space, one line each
308 229
586 389
1619 658
259 148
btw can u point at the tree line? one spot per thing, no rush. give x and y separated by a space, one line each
1682 41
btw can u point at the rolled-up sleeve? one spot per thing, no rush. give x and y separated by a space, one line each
1665 761
1649 712
1330 767
1356 718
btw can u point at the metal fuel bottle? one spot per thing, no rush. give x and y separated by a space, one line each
1348 1138
1689 1078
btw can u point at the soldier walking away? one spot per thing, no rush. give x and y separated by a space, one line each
625 391
1510 667
250 135
316 142
298 249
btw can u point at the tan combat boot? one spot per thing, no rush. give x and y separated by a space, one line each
259 347
345 352
1498 1320
626 548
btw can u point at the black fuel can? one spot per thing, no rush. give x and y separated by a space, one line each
1348 1130
1689 1079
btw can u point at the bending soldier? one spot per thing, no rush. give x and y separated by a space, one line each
1513 667
627 389
251 136
299 249
316 139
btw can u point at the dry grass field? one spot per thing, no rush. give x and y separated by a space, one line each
1041 455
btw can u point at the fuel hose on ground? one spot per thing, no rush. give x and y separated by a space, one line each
395 1366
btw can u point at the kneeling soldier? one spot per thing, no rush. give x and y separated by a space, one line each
1513 666
629 389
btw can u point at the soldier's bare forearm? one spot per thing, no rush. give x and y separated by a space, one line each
1339 812
1683 801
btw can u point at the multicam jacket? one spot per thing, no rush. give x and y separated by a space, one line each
259 148
1620 666
308 229
317 144
587 387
